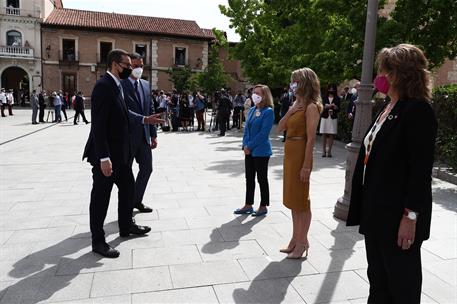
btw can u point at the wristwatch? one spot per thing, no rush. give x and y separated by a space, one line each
410 214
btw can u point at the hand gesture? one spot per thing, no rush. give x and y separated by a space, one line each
106 167
246 151
295 108
153 143
304 175
406 233
153 119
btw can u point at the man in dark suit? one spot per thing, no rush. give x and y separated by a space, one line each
108 149
143 136
224 108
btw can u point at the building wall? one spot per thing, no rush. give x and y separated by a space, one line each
446 74
159 58
233 68
28 24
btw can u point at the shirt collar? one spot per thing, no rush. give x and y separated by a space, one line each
134 80
114 77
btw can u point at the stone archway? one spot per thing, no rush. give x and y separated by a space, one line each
18 79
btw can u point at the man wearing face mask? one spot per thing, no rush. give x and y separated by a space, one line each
144 136
354 96
108 150
223 111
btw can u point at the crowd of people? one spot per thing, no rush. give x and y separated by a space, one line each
391 195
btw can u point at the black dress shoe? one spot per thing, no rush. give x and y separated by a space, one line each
143 209
136 229
105 250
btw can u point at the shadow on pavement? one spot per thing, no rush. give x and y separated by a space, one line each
233 232
38 283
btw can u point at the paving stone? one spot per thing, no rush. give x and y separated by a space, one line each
274 267
209 273
259 291
120 282
191 236
165 256
124 299
446 248
178 296
230 250
336 286
437 289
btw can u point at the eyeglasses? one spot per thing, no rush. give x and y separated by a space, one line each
129 66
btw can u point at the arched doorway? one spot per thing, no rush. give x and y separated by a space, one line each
17 79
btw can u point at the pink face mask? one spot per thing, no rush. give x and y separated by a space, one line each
381 83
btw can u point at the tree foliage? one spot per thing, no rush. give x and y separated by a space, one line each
214 78
180 77
278 36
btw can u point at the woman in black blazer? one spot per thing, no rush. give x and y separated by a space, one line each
329 121
391 196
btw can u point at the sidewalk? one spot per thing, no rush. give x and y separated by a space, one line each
198 251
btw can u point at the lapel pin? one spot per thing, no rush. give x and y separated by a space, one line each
390 117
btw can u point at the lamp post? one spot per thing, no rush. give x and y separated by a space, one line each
363 117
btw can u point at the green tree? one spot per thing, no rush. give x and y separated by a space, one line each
214 78
180 77
278 36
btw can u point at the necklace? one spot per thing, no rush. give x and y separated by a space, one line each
378 121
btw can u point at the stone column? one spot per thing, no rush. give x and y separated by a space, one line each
363 115
154 64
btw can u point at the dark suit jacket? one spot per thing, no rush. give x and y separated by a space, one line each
109 133
141 132
398 173
336 102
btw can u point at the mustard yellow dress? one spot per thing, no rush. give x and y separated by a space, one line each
295 193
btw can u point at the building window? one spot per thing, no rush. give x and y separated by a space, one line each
69 50
13 38
180 56
141 49
69 83
105 48
12 7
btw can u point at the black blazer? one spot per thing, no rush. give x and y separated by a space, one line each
109 132
336 102
398 173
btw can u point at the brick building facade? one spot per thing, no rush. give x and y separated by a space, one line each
75 44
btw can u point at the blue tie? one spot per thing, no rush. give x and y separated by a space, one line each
122 91
138 94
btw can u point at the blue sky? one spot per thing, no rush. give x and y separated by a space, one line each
205 12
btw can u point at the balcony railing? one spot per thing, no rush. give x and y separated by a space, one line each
68 58
12 11
16 51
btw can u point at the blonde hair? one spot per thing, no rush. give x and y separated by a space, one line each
267 98
308 86
407 66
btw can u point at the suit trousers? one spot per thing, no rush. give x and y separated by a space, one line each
257 165
77 113
143 157
41 114
395 275
122 176
34 114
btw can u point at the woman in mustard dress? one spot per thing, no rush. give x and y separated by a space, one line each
300 122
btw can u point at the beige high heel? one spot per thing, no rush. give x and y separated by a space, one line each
289 248
298 251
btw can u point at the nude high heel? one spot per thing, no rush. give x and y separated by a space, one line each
289 248
298 251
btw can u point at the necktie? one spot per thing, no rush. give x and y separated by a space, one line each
138 93
120 89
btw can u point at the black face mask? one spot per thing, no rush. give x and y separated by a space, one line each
125 73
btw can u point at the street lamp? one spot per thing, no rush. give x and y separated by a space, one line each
363 116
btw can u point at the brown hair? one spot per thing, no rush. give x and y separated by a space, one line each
308 86
407 68
267 98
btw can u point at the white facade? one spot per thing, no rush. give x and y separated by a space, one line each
20 43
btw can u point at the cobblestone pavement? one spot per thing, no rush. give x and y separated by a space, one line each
198 251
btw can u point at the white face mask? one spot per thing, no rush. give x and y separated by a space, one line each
137 72
256 98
